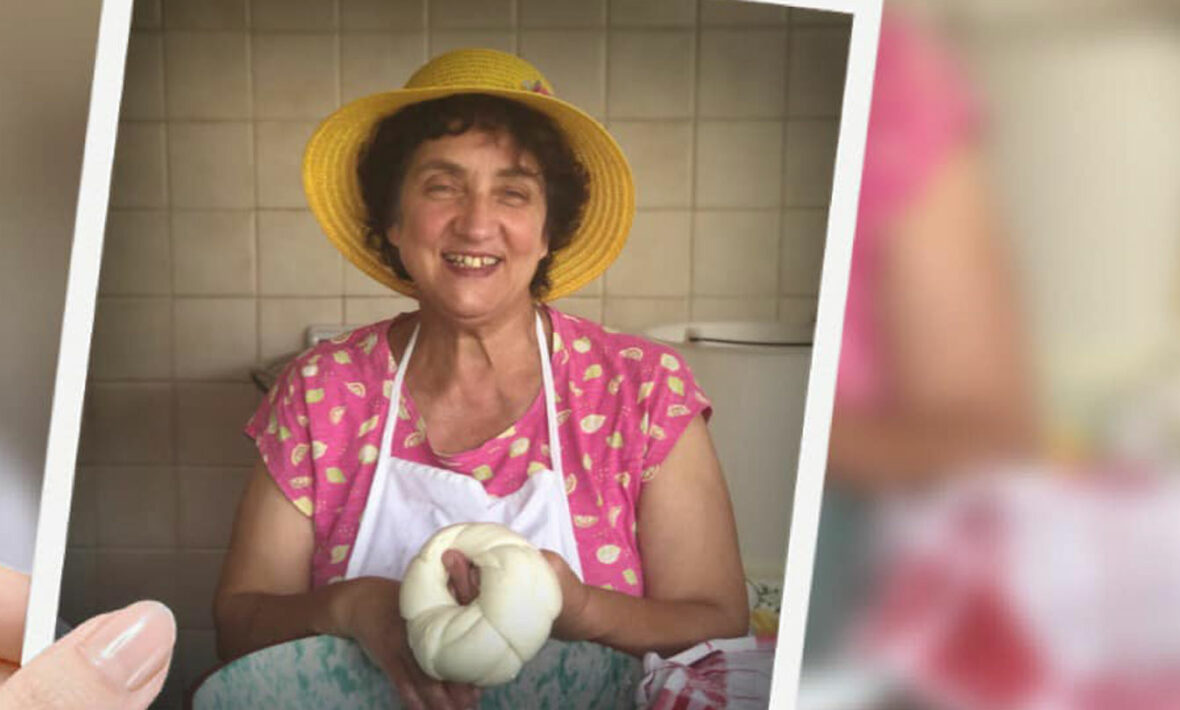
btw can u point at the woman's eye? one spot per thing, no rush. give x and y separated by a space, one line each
516 195
439 189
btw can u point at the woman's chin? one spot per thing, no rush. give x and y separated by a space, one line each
477 304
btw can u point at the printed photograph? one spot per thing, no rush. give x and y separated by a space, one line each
456 352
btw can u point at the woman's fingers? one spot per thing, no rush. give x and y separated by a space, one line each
574 622
117 660
463 576
401 678
382 650
463 695
433 693
406 690
437 697
415 689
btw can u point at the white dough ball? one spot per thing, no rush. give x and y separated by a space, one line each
489 640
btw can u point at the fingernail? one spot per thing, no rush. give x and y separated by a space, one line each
132 646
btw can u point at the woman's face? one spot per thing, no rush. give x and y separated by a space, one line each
471 230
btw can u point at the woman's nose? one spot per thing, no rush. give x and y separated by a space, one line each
477 217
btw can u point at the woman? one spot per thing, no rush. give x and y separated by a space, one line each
481 196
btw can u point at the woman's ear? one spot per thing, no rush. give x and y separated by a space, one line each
393 234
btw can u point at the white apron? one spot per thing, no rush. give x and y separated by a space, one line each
408 502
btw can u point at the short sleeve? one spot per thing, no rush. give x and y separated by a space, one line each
280 428
670 400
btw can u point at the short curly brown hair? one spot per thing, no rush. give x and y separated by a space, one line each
385 158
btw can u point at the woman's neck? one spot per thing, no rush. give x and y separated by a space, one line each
452 356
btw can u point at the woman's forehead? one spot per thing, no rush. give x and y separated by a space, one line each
474 148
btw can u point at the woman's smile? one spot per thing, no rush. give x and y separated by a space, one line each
471 227
471 264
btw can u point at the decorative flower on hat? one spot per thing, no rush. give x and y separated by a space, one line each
535 86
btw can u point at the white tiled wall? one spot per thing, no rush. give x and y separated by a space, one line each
727 110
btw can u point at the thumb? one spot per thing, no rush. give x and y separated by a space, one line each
115 660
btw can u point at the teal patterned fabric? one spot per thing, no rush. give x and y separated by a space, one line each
331 672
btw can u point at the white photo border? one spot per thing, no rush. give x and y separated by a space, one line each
82 286
73 358
825 353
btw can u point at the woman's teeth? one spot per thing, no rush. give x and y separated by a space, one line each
467 261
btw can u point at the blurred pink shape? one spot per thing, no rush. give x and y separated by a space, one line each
922 110
1043 591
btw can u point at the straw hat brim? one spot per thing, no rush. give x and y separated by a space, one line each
333 192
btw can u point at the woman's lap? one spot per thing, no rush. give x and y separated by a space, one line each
326 671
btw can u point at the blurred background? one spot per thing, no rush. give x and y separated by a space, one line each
41 139
1006 418
1082 104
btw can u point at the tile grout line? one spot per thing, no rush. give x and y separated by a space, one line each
694 149
783 157
514 11
173 331
339 88
255 221
607 119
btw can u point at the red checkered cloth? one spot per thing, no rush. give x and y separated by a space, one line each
729 673
1036 593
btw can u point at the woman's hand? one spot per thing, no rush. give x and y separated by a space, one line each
573 623
369 613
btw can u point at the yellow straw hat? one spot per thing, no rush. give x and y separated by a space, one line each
333 191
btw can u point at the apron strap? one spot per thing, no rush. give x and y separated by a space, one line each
395 395
550 402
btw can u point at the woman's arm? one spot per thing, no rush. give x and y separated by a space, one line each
264 596
951 338
688 541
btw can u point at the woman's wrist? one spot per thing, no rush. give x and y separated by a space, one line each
580 619
637 625
341 601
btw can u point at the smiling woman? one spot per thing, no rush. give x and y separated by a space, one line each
479 193
537 171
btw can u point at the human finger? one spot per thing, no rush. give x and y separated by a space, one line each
14 603
463 695
116 660
428 689
435 694
407 691
565 576
463 576
385 654
571 623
